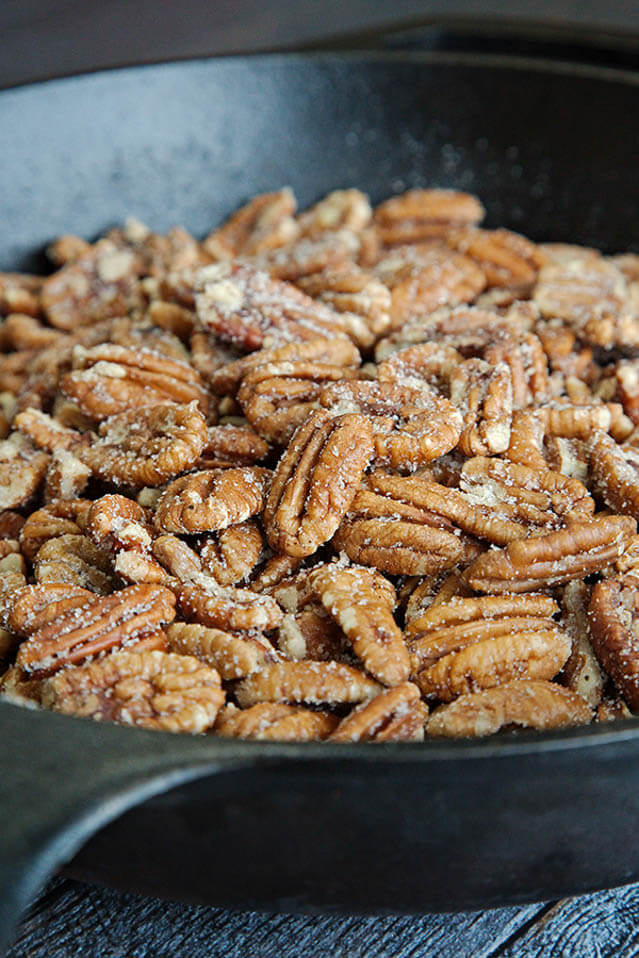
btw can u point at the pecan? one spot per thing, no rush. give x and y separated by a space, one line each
429 363
423 280
213 499
148 446
395 715
20 293
274 570
278 722
615 471
45 431
229 445
103 623
34 606
311 633
612 709
174 318
421 214
582 672
22 469
11 524
591 296
248 307
151 689
277 397
232 609
316 683
506 258
310 254
614 619
267 221
67 477
571 553
109 379
75 560
411 426
531 704
525 356
484 396
233 656
101 283
353 290
341 209
531 427
232 554
365 619
433 590
121 528
178 558
56 519
20 331
316 481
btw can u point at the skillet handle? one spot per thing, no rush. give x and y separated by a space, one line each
64 779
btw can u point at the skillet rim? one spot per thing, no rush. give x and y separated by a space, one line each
521 742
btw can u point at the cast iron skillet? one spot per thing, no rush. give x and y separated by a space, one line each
551 150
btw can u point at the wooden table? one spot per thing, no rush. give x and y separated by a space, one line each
72 920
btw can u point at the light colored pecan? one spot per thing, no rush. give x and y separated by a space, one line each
311 633
20 331
67 477
310 254
395 715
398 537
233 656
20 293
566 355
213 499
22 469
614 623
591 296
172 317
330 352
484 396
275 569
34 606
507 259
148 446
340 209
45 431
230 609
277 398
232 554
422 214
612 709
56 519
429 363
102 283
109 379
433 590
150 689
277 722
615 471
353 290
531 704
246 306
267 221
563 420
75 560
525 356
229 445
316 481
115 523
316 683
365 619
571 553
422 280
103 623
178 559
582 672
536 497
411 426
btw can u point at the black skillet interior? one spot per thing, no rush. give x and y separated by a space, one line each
551 151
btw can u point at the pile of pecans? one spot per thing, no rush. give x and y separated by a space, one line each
350 474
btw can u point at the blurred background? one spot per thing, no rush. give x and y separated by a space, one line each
45 38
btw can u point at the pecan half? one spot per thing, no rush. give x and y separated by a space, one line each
316 683
365 619
148 446
267 221
276 722
107 380
395 715
232 554
75 560
571 553
614 628
615 471
422 214
56 519
531 704
213 499
22 469
104 623
582 672
150 689
483 394
507 259
353 290
411 426
232 609
316 481
233 656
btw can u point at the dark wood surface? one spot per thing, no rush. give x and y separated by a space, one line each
72 920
